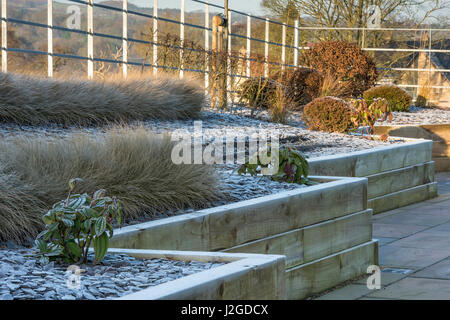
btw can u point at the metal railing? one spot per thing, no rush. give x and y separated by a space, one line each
295 30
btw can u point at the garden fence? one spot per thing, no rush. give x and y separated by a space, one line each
293 31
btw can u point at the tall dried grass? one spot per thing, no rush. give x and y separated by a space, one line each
133 165
40 101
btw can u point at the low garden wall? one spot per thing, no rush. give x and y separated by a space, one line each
398 175
243 277
324 231
438 133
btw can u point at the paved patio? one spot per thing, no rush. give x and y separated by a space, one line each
414 252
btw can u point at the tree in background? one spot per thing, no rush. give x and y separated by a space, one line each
350 13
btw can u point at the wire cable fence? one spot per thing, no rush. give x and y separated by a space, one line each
254 43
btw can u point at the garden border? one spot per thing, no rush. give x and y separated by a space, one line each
398 175
244 277
438 133
307 225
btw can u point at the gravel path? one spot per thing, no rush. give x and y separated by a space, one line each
23 278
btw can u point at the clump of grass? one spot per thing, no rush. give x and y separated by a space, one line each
40 101
133 165
20 210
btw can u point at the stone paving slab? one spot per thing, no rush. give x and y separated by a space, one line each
386 278
385 230
433 217
440 270
426 240
415 237
396 256
442 227
415 289
350 292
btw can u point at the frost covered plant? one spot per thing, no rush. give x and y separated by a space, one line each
292 167
367 114
75 223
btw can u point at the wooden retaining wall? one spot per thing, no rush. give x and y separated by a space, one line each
438 133
398 175
244 277
307 225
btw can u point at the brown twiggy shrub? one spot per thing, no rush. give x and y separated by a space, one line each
302 85
258 92
397 98
328 114
346 62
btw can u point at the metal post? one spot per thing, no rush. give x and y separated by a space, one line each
363 42
155 37
50 37
90 44
125 39
206 47
266 51
249 35
4 38
182 39
296 43
283 48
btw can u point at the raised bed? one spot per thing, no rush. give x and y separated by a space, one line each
327 222
438 133
243 277
398 175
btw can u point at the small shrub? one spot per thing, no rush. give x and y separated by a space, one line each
328 114
346 62
292 167
302 85
366 115
75 223
397 98
258 92
421 101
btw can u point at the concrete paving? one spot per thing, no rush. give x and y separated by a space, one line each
414 252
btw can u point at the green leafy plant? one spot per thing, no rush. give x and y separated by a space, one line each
397 98
75 223
292 167
366 115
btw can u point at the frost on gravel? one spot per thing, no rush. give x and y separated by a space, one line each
216 124
23 278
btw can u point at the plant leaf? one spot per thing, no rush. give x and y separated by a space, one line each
100 226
